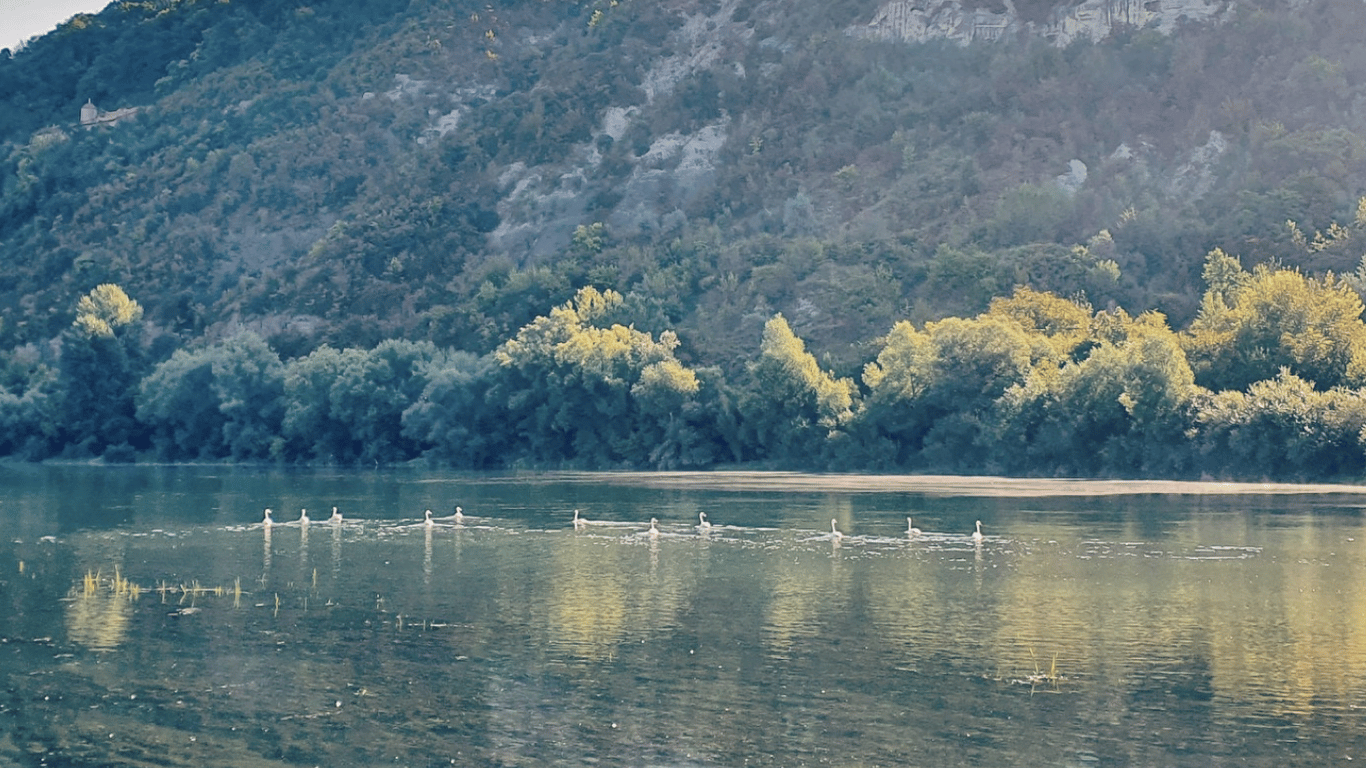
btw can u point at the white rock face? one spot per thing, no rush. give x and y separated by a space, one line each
921 20
1075 177
702 41
1196 176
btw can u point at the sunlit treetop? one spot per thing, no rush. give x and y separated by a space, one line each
105 309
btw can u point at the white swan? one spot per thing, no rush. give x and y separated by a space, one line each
977 534
303 517
835 532
654 528
579 522
336 516
427 519
459 516
702 521
267 522
911 530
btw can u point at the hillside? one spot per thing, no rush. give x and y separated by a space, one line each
349 170
386 204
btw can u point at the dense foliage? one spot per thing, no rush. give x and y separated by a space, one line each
362 231
1035 385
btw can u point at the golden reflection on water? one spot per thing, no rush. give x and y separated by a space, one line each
98 618
905 603
1296 630
600 595
588 596
1273 613
800 584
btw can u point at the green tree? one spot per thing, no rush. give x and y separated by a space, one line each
1282 428
347 406
930 391
1250 327
1123 409
178 405
101 366
222 401
578 392
28 401
370 394
309 431
248 382
793 410
452 417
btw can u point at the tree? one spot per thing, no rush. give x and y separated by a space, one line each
347 406
309 431
28 399
370 394
1282 427
929 391
793 410
222 401
248 382
178 405
578 389
1252 326
101 365
452 416
1123 409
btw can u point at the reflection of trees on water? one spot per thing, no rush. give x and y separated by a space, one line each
599 593
905 603
98 619
1152 636
805 581
587 610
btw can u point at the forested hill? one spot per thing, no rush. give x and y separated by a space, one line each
335 174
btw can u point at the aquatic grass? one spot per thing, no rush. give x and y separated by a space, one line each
119 586
1040 677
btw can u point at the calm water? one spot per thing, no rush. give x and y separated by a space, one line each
149 619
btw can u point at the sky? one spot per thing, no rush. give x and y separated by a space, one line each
22 19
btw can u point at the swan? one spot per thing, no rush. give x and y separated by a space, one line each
702 521
303 517
654 528
427 519
835 532
579 522
977 534
911 530
459 516
336 517
267 522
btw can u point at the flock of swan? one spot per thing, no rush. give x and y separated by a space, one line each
581 523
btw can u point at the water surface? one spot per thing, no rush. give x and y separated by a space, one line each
150 619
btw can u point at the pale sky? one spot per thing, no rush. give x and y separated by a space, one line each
22 19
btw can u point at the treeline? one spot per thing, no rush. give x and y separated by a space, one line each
1267 382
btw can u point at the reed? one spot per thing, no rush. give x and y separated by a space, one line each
1039 676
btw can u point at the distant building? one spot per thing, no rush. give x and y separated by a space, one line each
92 115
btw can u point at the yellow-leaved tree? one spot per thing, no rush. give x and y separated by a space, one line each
1251 326
101 365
